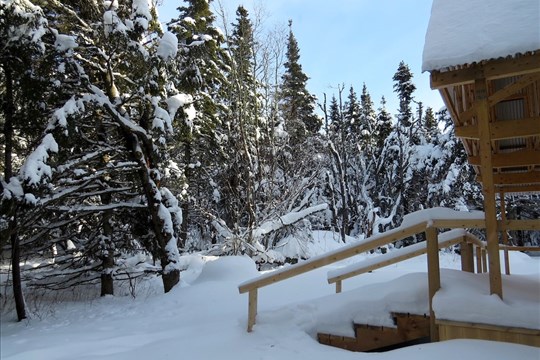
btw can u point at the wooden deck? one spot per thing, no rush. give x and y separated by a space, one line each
413 329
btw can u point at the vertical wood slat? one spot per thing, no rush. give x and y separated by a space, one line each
504 234
486 166
434 277
478 252
484 260
252 309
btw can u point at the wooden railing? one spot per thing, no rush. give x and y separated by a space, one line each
446 239
421 222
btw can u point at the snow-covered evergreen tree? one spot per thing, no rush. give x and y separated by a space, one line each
199 73
297 104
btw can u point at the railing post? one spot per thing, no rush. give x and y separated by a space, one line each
252 309
338 286
467 259
434 277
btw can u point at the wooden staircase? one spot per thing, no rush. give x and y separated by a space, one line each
410 329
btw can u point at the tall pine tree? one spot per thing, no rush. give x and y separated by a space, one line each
297 104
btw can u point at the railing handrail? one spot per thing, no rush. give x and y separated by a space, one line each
331 257
399 233
445 239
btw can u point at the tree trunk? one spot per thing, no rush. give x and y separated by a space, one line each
184 228
107 280
16 272
142 150
170 279
9 108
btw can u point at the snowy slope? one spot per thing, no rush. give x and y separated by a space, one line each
205 318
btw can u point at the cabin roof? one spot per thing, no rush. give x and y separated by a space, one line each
469 31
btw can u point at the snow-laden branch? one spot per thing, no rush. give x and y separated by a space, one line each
99 208
287 219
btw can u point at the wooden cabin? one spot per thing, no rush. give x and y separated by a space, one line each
484 58
492 91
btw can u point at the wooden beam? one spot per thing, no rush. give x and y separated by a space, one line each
512 88
511 159
522 65
493 69
488 186
434 277
531 188
467 132
531 224
466 116
523 178
459 223
507 129
441 79
445 94
520 248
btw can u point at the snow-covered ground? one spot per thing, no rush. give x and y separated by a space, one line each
205 317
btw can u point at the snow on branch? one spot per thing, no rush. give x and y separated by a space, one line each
287 219
35 168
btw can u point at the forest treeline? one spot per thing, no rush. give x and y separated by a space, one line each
127 143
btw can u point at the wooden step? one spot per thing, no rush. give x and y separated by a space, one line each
409 329
412 326
342 342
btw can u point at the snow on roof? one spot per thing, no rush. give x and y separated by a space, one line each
466 31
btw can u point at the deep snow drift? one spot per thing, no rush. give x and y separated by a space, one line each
205 317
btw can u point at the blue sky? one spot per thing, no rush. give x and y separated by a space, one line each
350 41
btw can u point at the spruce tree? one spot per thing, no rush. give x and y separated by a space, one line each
24 86
199 69
368 121
383 126
297 104
242 126
405 88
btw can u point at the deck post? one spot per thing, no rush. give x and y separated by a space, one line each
504 234
488 186
467 257
252 309
434 278
338 286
